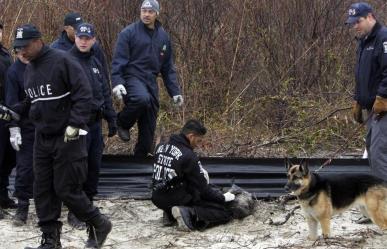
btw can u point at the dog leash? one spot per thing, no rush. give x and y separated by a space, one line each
344 146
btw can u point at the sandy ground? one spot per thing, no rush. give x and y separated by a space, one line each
137 224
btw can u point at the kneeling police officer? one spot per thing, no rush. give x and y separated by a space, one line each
181 186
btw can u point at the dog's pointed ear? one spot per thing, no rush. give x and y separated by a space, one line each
288 164
304 167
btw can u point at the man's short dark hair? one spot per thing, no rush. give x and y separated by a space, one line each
194 126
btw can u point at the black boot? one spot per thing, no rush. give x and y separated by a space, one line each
75 222
91 235
5 201
183 215
21 215
101 227
123 133
168 219
49 241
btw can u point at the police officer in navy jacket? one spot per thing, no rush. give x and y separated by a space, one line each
22 140
143 50
371 82
7 154
102 106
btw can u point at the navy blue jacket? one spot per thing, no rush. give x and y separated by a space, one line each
177 155
102 100
5 62
371 67
64 43
144 53
58 93
15 93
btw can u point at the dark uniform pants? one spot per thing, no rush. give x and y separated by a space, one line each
376 144
24 171
60 169
141 106
7 158
207 213
95 148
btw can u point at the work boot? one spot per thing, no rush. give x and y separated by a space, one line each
101 227
123 133
75 222
183 215
21 215
5 201
49 241
168 220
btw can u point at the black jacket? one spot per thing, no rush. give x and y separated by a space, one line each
102 100
58 93
5 62
371 67
178 157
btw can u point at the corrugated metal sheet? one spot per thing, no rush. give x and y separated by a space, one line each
265 177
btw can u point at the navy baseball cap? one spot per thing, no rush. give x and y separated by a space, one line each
73 19
358 10
24 34
85 29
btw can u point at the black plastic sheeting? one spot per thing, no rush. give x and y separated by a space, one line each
127 177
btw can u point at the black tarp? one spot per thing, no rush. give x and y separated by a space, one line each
127 177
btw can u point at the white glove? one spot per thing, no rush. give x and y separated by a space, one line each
229 196
205 173
119 90
178 100
15 138
71 133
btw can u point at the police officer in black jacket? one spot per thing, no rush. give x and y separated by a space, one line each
22 140
102 106
58 101
181 185
371 82
7 154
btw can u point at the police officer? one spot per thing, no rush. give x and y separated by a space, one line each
7 154
371 82
143 50
22 140
102 106
58 97
67 38
181 186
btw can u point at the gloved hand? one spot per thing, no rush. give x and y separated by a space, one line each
228 197
112 127
205 173
71 133
119 90
178 100
357 112
5 115
15 138
380 105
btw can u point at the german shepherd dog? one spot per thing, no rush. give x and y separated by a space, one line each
321 197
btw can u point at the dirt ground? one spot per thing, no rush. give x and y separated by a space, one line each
137 224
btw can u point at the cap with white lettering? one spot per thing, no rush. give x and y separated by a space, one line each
24 34
73 19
